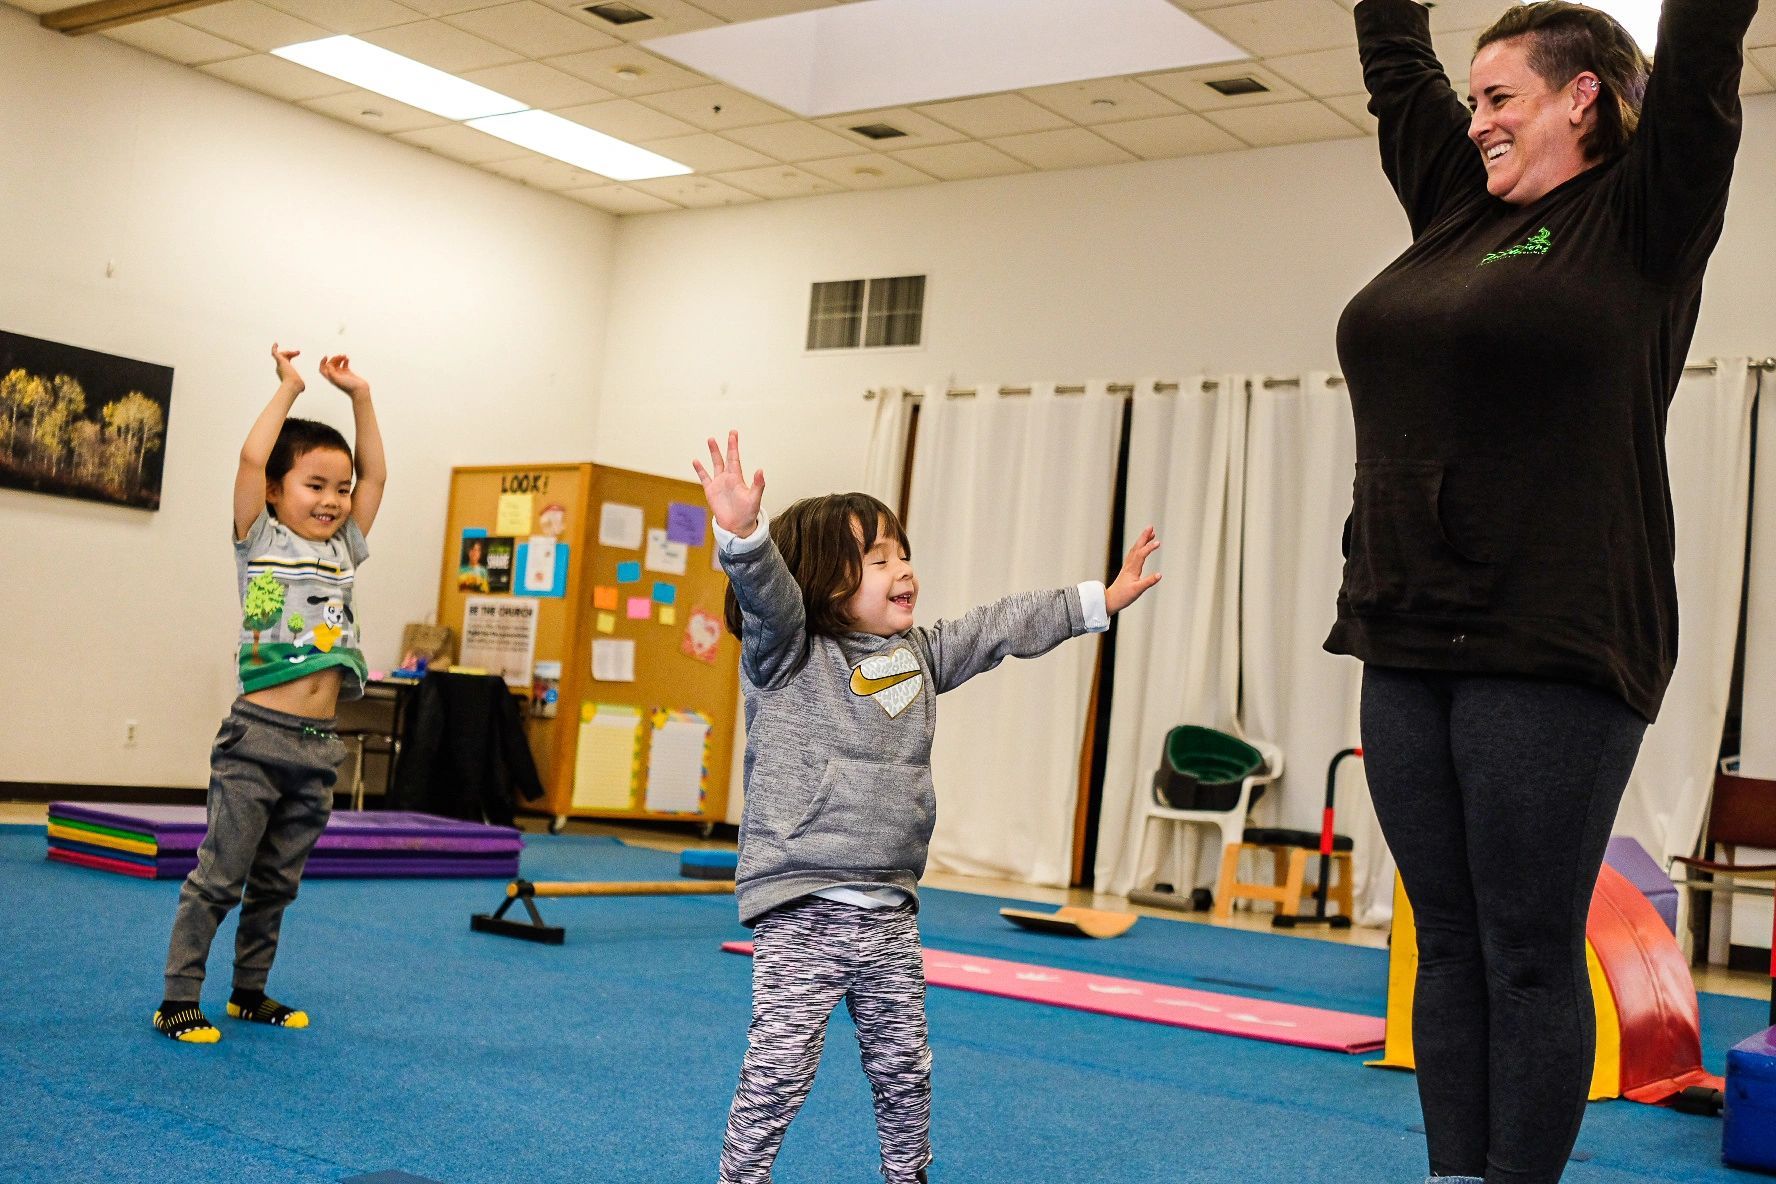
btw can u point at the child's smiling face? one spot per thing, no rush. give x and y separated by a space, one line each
314 497
885 597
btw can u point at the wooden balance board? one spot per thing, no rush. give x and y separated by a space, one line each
1074 922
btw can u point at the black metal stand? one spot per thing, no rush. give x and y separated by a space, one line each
1327 837
533 930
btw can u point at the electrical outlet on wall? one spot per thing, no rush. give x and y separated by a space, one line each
129 733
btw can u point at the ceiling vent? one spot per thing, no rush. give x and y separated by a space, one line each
1243 85
618 14
878 131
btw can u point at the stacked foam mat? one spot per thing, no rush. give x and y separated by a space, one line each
160 843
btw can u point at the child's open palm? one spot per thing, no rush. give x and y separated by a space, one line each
734 503
1131 581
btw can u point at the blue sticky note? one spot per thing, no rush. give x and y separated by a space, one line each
629 573
686 522
474 532
665 594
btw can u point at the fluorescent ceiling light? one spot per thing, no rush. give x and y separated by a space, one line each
579 145
373 68
886 53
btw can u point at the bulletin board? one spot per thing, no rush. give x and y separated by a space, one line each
642 719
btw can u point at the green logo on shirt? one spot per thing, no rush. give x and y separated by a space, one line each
1536 244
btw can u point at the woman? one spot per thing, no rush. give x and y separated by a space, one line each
1508 582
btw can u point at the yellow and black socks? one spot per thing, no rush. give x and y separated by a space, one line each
261 1008
182 1020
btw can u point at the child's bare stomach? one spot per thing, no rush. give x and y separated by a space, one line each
313 696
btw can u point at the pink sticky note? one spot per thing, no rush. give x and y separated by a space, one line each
640 608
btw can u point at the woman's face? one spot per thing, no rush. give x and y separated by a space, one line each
1527 131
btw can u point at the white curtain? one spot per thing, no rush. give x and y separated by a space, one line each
1708 446
1301 460
1758 752
1011 493
1177 651
884 464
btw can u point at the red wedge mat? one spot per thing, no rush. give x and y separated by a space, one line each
1155 1003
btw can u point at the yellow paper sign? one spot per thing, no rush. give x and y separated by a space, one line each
515 513
668 615
607 622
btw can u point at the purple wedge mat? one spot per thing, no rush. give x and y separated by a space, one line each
1632 860
329 868
181 828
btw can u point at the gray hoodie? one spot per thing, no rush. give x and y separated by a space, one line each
838 749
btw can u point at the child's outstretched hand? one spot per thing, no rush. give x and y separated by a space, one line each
337 370
734 503
287 375
1129 582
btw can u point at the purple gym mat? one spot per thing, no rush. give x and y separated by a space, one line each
1639 869
321 866
181 828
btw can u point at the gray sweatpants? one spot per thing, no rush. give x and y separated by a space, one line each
271 790
806 957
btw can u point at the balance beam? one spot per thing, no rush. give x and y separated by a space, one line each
525 891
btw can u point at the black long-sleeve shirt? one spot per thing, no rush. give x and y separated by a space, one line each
1510 375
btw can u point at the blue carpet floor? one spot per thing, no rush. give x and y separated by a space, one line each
470 1059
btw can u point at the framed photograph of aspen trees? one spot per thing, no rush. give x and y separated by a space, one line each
78 423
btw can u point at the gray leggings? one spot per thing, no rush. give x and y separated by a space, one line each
806 956
1497 795
271 790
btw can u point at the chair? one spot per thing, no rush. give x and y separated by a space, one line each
360 739
1215 761
1289 852
1741 813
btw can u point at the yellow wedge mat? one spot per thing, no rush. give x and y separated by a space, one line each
94 838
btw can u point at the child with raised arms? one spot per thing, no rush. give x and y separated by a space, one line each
841 697
299 527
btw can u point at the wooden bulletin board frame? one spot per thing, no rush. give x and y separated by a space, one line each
665 676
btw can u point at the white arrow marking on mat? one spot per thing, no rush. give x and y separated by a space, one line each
1033 977
1189 1003
1252 1019
1108 990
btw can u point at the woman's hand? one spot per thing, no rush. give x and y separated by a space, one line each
1130 583
734 503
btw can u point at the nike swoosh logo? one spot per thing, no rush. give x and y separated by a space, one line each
862 684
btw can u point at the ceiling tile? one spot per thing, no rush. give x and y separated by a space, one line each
544 172
793 142
871 170
779 180
252 24
1196 6
1104 100
958 162
1449 15
669 17
1356 109
1285 123
39 6
626 120
993 115
350 16
707 152
442 46
1324 72
461 143
1168 136
752 10
619 199
1190 87
532 29
919 129
625 70
444 7
373 112
715 108
1455 49
694 192
1760 72
176 42
538 85
1267 28
276 77
1068 148
1763 28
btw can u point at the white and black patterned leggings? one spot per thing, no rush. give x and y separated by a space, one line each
806 956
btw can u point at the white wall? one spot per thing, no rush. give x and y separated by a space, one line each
474 306
1221 263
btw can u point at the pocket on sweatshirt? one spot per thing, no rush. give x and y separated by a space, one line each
867 815
1414 548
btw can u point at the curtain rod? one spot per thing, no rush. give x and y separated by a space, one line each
1128 388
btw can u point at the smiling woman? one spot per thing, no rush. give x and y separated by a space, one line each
1509 558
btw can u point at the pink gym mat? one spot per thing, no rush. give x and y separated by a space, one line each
1155 1003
